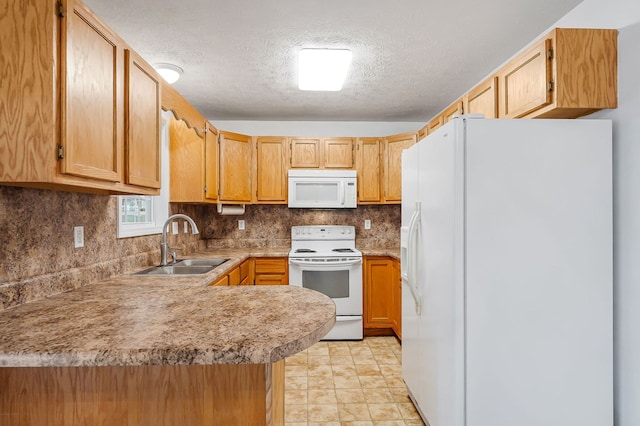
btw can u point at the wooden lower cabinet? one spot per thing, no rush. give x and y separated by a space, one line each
224 394
240 275
272 271
382 300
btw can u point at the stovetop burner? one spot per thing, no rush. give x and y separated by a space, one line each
304 250
343 250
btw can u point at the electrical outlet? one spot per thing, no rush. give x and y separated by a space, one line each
78 236
174 227
186 229
241 225
367 224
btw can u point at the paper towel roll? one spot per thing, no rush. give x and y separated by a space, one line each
230 209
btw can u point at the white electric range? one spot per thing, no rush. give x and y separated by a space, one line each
324 258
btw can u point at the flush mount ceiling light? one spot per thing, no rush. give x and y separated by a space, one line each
322 69
171 73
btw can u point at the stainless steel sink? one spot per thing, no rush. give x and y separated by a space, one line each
185 267
201 262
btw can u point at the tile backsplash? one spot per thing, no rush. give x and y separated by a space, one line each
38 258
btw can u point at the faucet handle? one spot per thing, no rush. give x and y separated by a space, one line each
174 256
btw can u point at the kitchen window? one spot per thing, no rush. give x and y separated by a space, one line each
143 214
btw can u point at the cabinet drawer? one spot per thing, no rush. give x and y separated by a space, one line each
271 265
234 276
271 279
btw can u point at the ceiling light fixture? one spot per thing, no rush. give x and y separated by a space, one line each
323 69
171 73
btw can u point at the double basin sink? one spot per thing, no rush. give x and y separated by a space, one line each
185 267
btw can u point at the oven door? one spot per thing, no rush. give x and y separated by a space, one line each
340 280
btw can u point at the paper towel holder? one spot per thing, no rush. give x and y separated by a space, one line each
230 209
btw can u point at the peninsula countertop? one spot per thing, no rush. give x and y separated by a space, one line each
144 320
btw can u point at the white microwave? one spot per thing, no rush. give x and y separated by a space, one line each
323 189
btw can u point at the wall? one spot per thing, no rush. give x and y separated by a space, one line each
270 226
624 15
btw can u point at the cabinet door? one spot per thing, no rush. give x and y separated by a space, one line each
305 153
434 124
271 170
235 167
223 280
483 99
378 293
186 152
393 147
397 298
234 276
525 82
368 165
92 97
142 122
338 153
210 163
271 271
451 111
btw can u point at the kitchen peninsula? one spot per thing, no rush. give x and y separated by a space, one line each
155 350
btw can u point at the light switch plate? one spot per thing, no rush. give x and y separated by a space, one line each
241 224
174 227
78 236
367 224
186 229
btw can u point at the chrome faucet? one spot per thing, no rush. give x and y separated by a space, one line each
164 247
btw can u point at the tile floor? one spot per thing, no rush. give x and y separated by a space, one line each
339 383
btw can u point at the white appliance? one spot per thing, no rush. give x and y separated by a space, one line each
322 189
324 258
507 273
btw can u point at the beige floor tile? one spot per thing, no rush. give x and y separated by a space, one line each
320 370
295 382
322 396
387 359
376 382
350 396
295 370
296 424
382 351
295 412
365 360
389 423
344 370
368 369
320 382
318 360
338 344
339 351
352 412
394 381
384 411
361 351
377 395
408 411
342 360
391 369
357 423
400 394
297 359
324 424
323 413
318 350
377 341
295 396
346 382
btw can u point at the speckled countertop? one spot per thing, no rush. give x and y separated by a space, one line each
393 252
154 320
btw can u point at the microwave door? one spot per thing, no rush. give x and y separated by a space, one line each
316 193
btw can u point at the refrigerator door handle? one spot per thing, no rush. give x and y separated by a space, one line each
412 258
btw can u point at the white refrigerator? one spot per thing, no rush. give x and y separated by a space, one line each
506 254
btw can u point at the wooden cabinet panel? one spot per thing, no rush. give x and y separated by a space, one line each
396 279
305 153
368 167
92 74
186 150
483 99
451 111
142 122
246 272
338 153
65 87
392 165
235 167
223 280
434 124
210 163
271 271
271 170
422 133
234 276
378 292
524 83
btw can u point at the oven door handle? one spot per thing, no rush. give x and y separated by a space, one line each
325 265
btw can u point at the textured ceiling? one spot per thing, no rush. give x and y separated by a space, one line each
411 58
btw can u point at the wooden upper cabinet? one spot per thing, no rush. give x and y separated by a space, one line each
435 123
71 92
392 165
235 167
368 155
271 170
422 133
525 82
452 111
306 153
187 162
338 153
210 163
568 73
142 122
483 99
